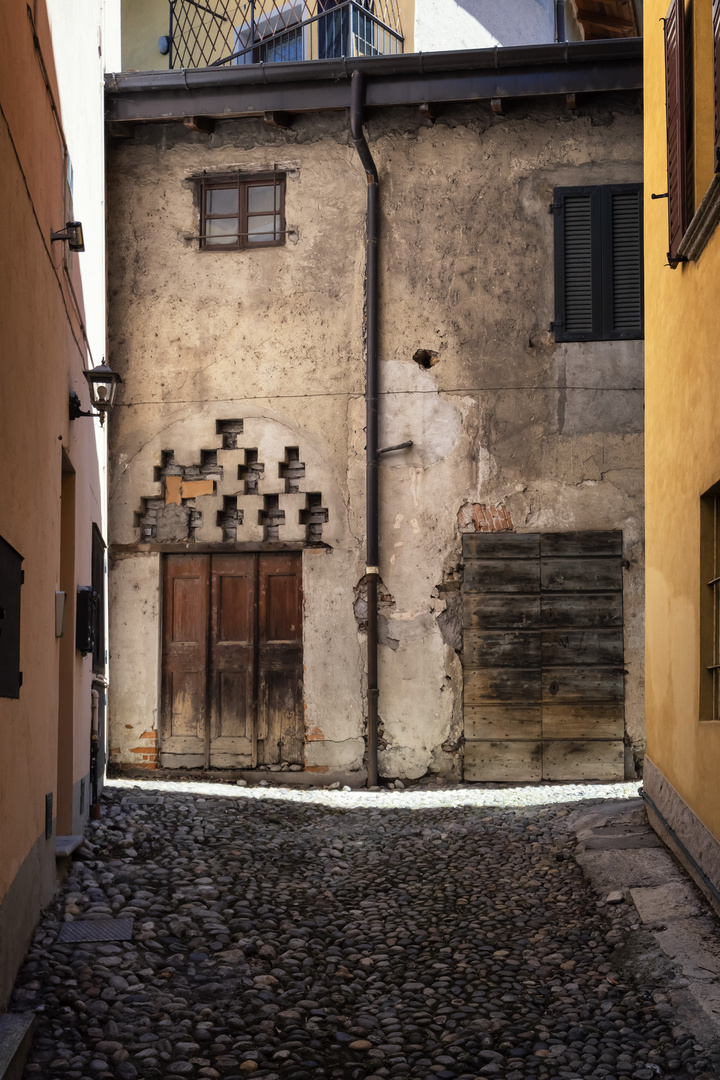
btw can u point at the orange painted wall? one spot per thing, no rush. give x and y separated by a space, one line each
43 356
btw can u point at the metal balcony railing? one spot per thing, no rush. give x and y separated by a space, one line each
218 32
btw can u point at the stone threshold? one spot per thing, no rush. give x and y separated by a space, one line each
16 1035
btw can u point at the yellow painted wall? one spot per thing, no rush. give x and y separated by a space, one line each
682 447
143 22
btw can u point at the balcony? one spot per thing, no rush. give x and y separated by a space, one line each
219 32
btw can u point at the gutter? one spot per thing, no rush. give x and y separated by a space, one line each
372 401
499 58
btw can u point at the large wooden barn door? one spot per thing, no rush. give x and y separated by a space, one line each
543 656
232 660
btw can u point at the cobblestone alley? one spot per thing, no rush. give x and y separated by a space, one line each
341 934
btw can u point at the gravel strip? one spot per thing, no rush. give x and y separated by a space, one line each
294 934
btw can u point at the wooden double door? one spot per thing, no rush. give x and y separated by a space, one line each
232 660
543 656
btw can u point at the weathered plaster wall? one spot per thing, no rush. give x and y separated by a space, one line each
504 417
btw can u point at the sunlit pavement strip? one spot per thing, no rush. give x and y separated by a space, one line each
425 798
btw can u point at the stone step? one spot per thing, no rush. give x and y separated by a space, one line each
16 1035
65 845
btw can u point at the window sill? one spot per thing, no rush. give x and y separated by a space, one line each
703 223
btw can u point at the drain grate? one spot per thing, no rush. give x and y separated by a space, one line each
96 930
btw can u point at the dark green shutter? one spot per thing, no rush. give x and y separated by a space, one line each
577 244
622 262
598 263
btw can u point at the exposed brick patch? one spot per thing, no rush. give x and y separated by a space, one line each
477 517
317 768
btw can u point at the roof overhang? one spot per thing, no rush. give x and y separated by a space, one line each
409 79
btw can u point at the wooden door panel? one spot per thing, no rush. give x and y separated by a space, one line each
502 722
581 575
232 665
520 685
585 759
502 575
487 612
583 721
501 648
494 762
183 709
187 704
583 544
236 604
582 685
581 610
280 707
501 545
590 647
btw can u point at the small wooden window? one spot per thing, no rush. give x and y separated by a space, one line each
710 604
598 262
242 212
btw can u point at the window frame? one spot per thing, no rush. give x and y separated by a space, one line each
601 260
243 183
709 653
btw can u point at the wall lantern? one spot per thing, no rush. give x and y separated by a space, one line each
73 233
103 383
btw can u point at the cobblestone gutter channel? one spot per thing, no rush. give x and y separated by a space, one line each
287 939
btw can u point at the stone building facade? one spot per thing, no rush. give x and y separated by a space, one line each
240 433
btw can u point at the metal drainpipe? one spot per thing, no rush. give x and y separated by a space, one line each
372 570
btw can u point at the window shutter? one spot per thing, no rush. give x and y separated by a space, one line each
622 262
716 73
676 134
577 254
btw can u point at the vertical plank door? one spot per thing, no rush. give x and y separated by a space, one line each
232 670
184 661
280 721
502 656
583 691
543 656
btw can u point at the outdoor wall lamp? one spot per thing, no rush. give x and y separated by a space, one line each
73 233
103 383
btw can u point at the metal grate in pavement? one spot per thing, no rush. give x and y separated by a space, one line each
96 930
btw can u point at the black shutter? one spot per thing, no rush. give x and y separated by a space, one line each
622 207
11 579
676 128
98 585
598 262
578 315
716 77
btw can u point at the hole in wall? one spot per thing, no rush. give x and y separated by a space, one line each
425 358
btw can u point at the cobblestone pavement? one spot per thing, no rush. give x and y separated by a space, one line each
287 936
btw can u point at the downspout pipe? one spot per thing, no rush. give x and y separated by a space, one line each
372 537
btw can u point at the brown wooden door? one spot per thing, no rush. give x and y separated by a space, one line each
543 656
232 660
184 663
